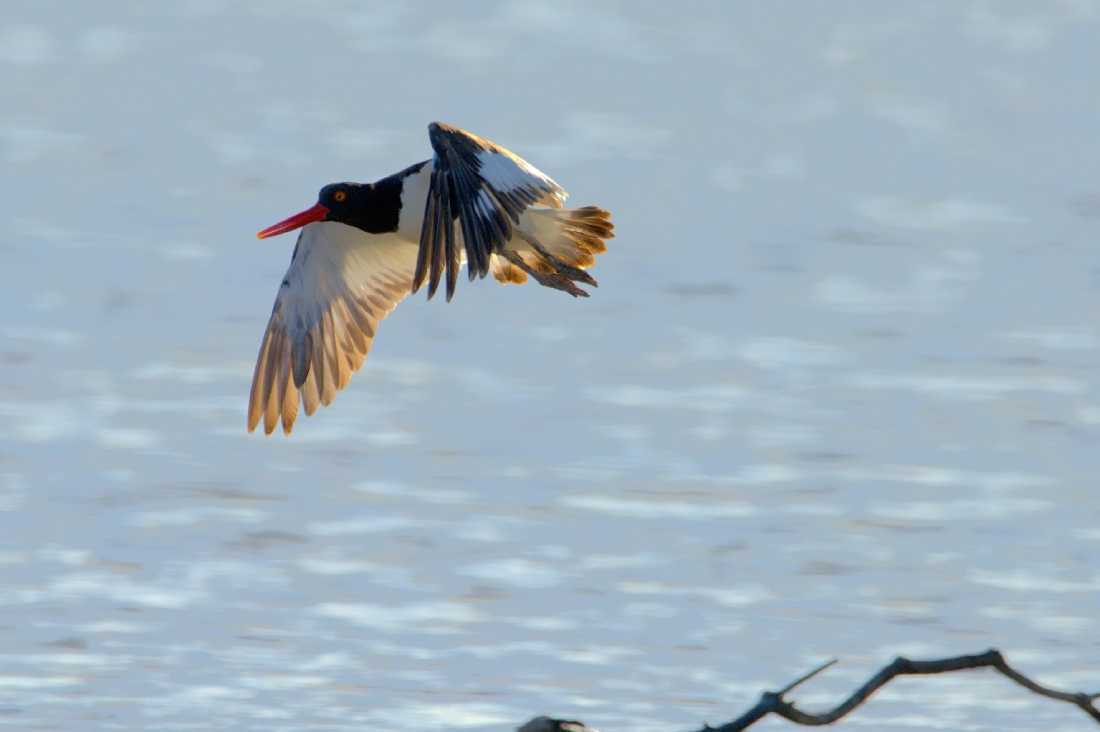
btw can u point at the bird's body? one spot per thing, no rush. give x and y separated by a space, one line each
364 247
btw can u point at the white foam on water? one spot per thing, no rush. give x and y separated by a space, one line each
425 617
369 524
29 683
658 508
515 572
1030 581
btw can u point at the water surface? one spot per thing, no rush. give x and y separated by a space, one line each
837 393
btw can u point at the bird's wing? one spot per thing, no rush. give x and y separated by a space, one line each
485 187
340 284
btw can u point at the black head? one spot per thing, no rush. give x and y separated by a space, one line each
342 200
368 206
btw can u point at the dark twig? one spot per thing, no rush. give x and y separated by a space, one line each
802 680
772 702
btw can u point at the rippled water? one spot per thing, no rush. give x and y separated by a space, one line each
836 395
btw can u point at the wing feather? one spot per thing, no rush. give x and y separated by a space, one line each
277 364
290 406
360 313
257 396
340 284
486 187
437 225
300 359
317 364
427 239
311 399
447 222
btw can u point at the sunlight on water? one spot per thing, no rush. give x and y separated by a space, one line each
436 617
515 572
657 509
835 395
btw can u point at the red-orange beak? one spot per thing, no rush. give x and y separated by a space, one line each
317 212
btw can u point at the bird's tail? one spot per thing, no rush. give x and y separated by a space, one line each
554 246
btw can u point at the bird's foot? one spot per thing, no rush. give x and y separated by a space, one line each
561 277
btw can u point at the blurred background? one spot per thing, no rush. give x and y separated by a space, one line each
837 393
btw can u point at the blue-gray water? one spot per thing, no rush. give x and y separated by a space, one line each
837 393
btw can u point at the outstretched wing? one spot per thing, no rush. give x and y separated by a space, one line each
340 284
485 187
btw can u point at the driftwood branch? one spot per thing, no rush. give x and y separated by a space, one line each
773 702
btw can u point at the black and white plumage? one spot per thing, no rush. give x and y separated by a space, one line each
365 246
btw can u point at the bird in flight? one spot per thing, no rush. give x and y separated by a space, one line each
364 246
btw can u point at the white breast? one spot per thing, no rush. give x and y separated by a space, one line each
414 194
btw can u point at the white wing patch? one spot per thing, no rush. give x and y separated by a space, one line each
506 172
341 283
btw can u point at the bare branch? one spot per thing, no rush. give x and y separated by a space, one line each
798 682
772 702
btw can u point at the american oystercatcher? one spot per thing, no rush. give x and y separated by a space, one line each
365 246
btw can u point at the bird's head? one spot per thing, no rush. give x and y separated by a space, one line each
335 202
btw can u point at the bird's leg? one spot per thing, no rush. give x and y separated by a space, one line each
567 270
556 280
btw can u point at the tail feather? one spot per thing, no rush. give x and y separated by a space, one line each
553 246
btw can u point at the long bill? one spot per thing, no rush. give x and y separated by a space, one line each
316 212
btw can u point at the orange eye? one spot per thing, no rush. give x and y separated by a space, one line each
340 196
